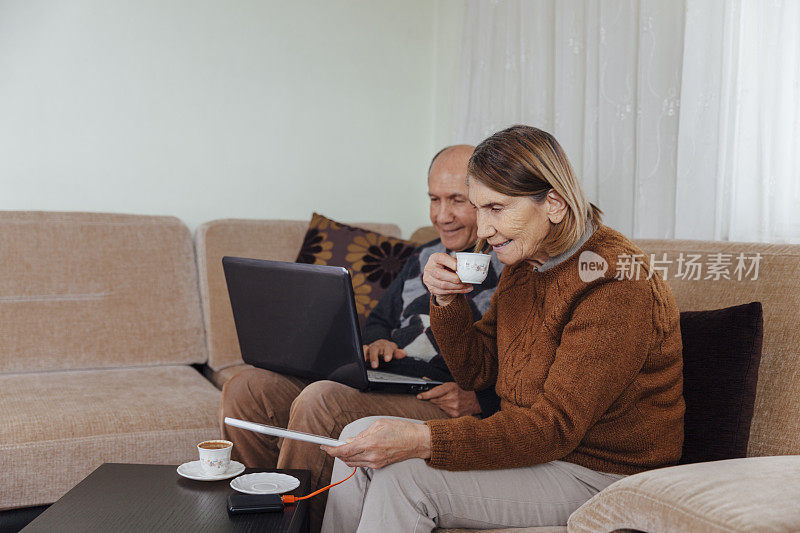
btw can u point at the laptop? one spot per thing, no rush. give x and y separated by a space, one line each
301 320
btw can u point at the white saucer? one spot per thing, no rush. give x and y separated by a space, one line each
192 470
265 483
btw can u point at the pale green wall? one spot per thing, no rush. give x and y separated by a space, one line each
212 108
449 33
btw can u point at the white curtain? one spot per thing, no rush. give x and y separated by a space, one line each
681 117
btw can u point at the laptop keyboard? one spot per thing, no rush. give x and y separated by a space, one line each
377 375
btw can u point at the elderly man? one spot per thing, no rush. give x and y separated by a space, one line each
398 328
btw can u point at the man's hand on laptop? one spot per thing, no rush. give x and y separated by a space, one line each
382 350
452 399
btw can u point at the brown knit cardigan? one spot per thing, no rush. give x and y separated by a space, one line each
587 372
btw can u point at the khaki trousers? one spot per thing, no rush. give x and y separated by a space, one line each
321 407
410 496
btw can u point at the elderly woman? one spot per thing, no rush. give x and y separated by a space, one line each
585 356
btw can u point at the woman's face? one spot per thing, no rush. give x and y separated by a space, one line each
515 225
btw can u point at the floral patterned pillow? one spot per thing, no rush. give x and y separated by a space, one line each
374 260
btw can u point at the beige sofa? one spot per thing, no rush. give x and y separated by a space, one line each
754 494
100 320
103 316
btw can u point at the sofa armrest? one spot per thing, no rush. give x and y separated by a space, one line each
750 494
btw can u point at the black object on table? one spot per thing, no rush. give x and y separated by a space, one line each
129 497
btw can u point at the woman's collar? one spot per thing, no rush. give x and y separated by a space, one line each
560 258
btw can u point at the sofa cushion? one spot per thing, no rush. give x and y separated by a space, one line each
374 260
96 290
736 495
770 277
59 426
278 240
721 353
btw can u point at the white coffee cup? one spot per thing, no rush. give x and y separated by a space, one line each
472 267
215 456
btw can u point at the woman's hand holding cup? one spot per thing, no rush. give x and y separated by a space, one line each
441 279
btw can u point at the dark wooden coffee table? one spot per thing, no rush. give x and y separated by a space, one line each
126 497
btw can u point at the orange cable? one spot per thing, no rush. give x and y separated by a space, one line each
288 498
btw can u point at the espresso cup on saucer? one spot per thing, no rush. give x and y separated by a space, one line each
215 456
472 267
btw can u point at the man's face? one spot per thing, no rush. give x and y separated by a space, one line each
451 213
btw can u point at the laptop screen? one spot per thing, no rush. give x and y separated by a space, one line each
296 319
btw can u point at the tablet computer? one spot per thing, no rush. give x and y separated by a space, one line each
282 432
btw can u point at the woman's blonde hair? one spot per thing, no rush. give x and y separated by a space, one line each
526 161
